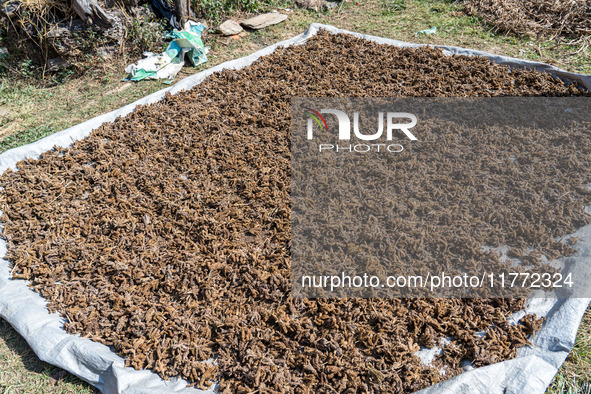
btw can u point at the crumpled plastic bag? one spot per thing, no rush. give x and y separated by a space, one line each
169 63
153 66
188 41
432 30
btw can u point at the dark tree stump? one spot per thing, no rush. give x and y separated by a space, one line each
182 11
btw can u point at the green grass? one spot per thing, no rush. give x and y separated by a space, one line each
22 372
26 137
575 374
28 113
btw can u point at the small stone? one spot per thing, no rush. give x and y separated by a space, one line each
106 52
58 31
56 64
229 28
316 5
264 20
238 36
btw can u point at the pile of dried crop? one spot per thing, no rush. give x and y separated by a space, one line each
166 233
538 18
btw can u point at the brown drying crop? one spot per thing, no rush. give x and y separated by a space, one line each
166 234
537 18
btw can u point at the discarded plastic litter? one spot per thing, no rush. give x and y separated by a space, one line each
189 42
432 30
169 63
164 10
153 66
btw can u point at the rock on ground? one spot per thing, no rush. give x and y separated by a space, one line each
264 20
311 4
229 28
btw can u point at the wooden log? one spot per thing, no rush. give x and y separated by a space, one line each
92 13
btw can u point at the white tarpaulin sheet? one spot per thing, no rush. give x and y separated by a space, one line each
530 372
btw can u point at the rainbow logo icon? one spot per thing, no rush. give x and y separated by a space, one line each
317 117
